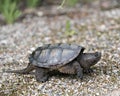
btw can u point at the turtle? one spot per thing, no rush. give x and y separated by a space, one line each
62 57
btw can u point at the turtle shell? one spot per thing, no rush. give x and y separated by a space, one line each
49 56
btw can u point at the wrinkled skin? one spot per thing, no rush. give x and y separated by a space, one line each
82 63
87 60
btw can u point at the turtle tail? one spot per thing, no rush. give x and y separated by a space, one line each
26 70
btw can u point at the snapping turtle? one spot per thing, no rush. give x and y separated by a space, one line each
65 58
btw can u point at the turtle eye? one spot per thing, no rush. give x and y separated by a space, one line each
97 54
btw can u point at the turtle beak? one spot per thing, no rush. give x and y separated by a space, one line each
96 58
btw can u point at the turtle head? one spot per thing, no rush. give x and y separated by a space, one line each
87 60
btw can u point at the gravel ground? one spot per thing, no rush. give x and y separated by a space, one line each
96 31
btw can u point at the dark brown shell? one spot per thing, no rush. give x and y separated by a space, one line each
60 54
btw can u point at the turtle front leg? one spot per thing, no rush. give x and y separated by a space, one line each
41 75
78 69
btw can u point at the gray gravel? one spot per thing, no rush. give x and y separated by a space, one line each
97 31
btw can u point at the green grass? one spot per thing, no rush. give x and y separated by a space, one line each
68 30
33 3
9 10
69 3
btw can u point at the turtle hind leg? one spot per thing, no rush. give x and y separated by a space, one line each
41 75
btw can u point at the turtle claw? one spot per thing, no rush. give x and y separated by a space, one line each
80 76
42 80
88 71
